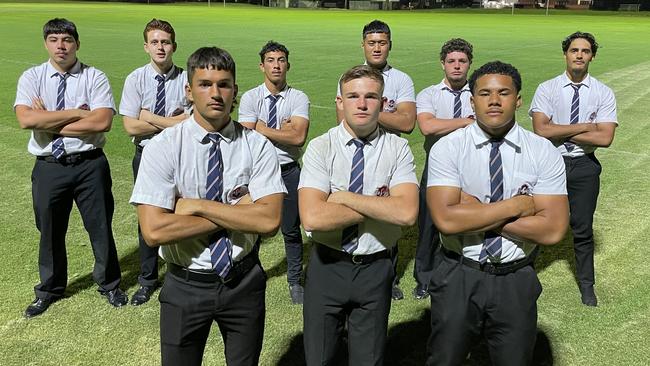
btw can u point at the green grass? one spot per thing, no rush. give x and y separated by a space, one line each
83 329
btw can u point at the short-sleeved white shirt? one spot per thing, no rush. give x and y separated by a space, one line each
597 104
86 86
388 161
174 165
254 105
398 88
140 89
440 102
461 159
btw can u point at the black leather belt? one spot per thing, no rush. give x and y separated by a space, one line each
339 255
492 268
285 167
238 271
569 158
73 158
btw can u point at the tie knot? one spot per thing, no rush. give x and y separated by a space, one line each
456 93
576 87
496 143
359 143
274 98
63 76
160 78
214 137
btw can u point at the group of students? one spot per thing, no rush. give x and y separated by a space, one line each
207 188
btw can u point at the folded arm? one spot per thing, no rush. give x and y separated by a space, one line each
453 215
547 226
601 136
36 117
292 132
317 214
402 120
399 208
148 123
543 126
161 226
431 126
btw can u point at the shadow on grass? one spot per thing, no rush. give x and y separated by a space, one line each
407 344
129 265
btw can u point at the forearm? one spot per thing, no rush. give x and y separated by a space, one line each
400 211
397 121
601 137
440 127
546 128
475 217
536 229
288 136
162 122
136 127
327 216
96 121
168 228
47 120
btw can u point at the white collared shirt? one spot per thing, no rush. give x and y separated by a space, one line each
461 159
174 165
254 106
388 161
440 102
597 104
140 89
398 88
86 86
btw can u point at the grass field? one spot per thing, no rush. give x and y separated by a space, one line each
83 329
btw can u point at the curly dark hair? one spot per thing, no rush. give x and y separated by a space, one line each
584 35
459 45
273 46
496 67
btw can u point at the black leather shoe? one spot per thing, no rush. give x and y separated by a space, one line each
142 295
37 307
116 297
297 293
420 292
588 295
396 293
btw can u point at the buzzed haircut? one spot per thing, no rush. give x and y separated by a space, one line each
273 46
60 26
362 71
499 68
376 26
159 24
584 35
210 58
456 45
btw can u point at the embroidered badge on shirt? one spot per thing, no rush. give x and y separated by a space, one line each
238 192
382 191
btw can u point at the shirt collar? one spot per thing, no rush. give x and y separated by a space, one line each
73 72
227 133
442 86
385 70
566 81
480 138
153 73
282 92
347 137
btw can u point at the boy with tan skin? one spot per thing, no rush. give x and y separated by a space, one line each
206 190
68 106
281 113
442 109
153 98
357 189
398 113
578 114
496 192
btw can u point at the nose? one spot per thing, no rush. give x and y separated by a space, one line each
493 99
362 104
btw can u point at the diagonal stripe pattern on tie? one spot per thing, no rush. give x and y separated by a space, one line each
58 147
160 96
575 112
220 246
458 105
273 113
492 243
350 237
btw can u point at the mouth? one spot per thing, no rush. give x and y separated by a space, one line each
217 106
494 113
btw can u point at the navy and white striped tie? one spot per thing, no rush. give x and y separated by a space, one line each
160 96
350 240
458 105
58 147
575 112
492 243
220 246
273 113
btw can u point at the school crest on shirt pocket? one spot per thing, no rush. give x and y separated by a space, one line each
238 192
523 184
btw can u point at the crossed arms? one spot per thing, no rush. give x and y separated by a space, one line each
195 217
148 123
599 134
69 122
292 132
320 211
541 219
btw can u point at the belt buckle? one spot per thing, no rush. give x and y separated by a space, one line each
357 259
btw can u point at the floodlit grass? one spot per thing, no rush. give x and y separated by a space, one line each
83 329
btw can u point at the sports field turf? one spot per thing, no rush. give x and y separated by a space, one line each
83 329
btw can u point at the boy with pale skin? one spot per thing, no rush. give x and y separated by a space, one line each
153 99
577 113
357 189
206 190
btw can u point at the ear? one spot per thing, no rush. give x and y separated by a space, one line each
174 47
390 45
188 93
78 45
339 103
471 101
442 64
262 66
519 101
235 90
288 65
